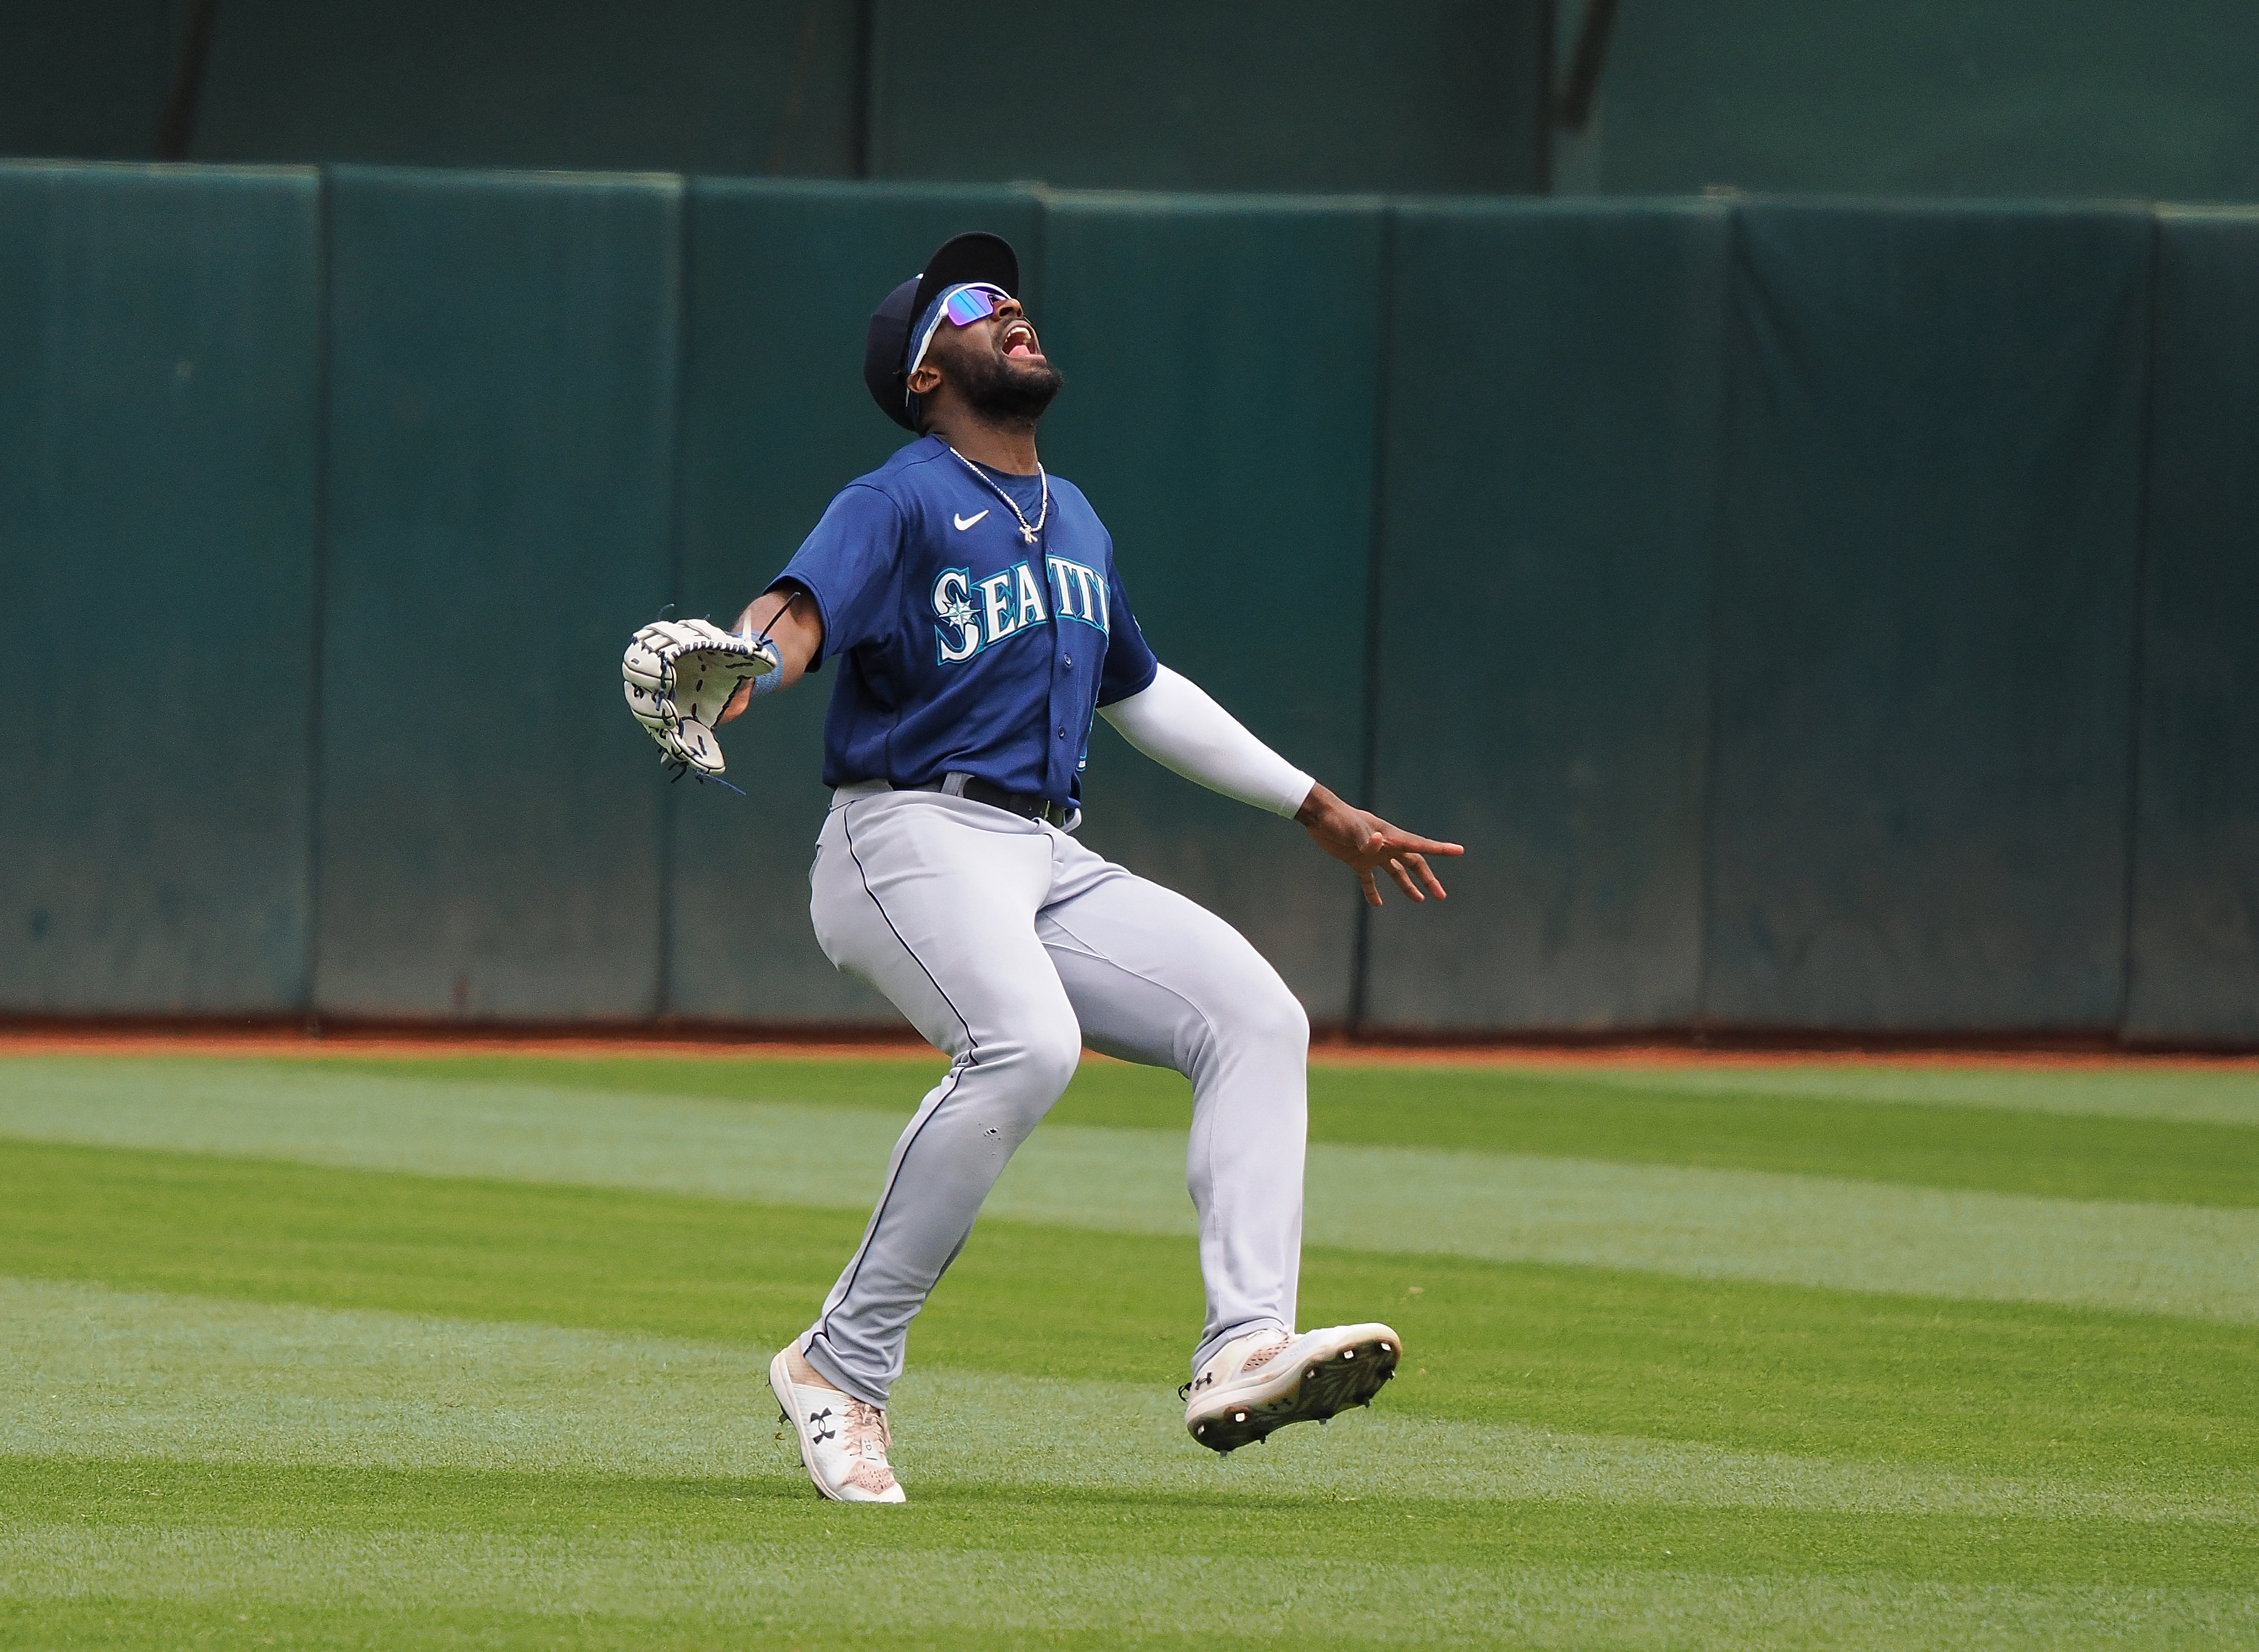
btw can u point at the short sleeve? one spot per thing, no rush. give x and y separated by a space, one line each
847 565
1130 668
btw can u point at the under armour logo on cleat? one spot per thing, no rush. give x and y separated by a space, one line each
817 1420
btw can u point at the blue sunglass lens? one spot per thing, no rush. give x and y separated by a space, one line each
972 304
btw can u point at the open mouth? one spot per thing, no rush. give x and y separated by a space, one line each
1018 340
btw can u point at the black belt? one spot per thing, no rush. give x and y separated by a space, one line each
1026 805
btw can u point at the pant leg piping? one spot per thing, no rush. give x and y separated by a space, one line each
956 1075
847 831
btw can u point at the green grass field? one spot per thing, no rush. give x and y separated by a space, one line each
470 1352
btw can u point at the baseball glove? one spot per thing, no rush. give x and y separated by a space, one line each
680 673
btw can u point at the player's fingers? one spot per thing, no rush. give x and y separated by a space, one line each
1424 846
1427 876
1372 892
738 701
1404 881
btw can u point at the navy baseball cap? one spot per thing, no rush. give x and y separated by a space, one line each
976 256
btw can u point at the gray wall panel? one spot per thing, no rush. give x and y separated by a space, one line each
1434 95
86 79
740 86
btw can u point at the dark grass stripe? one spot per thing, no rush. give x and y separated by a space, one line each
2005 1387
1548 1115
950 1519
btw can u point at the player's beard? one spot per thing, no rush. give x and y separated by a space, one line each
1003 391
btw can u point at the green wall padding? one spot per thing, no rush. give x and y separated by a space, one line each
2004 99
85 79
1554 404
1220 412
2194 969
1924 617
1809 616
782 280
736 86
159 406
501 439
1425 95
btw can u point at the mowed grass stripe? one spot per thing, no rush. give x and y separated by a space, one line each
2028 1392
2068 1134
114 1375
865 1594
502 1410
2226 1092
2174 1259
2222 1092
145 1494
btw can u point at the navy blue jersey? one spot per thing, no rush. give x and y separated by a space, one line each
962 647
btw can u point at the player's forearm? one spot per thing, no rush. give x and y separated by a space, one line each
1179 727
787 618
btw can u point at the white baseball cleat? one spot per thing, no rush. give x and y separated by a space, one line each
843 1440
1264 1380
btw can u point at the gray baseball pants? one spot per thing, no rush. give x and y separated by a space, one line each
1009 945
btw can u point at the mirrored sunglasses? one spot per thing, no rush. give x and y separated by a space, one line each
969 304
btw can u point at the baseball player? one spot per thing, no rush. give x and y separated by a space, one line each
979 623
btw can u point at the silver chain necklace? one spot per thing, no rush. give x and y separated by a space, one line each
1042 517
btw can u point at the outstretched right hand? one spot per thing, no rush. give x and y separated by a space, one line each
1366 843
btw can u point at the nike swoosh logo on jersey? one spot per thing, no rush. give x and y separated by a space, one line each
964 521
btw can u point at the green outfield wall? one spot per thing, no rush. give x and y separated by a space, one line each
1810 616
161 429
1545 556
502 356
1930 525
2195 906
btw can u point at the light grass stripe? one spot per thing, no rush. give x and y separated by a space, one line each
2188 1260
820 1586
2226 1095
96 1373
1781 1229
776 1152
